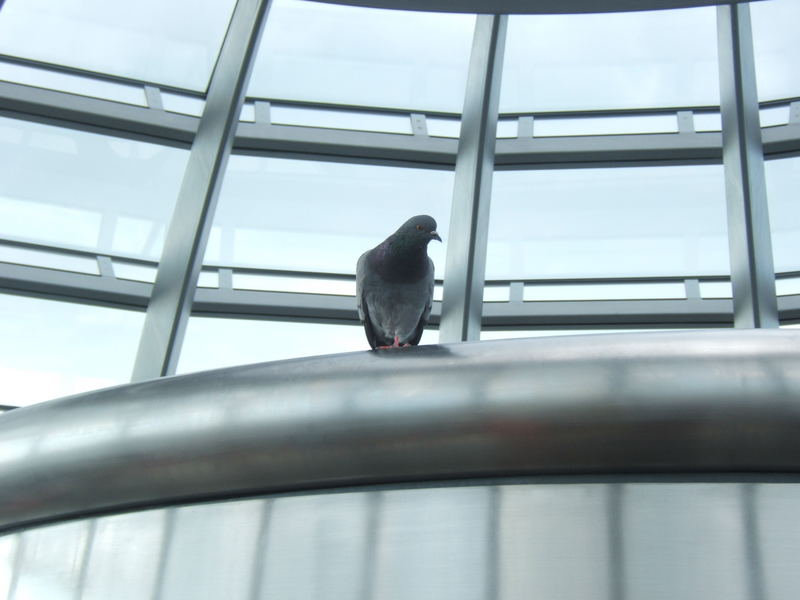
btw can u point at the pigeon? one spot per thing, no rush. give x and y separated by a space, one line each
394 285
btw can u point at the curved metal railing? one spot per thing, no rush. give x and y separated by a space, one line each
685 402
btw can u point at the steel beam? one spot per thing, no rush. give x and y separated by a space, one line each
752 269
469 217
171 300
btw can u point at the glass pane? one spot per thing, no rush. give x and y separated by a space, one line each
134 272
716 289
211 551
554 541
444 127
320 216
124 560
365 57
615 291
507 128
171 43
616 222
611 60
318 547
180 103
787 287
777 48
340 119
778 524
507 334
51 561
707 121
8 552
75 189
783 181
306 285
433 544
606 125
683 541
496 293
50 349
49 260
774 115
74 84
249 341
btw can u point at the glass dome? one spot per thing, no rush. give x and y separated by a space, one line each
607 207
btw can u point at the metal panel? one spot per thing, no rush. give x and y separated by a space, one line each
595 404
752 269
170 303
469 218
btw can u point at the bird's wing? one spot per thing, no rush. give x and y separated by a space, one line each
363 311
426 312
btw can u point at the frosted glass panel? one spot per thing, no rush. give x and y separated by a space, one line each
683 541
611 60
8 552
51 561
540 528
618 222
326 538
124 560
783 182
778 523
50 349
365 57
211 551
320 216
449 565
174 43
777 48
70 188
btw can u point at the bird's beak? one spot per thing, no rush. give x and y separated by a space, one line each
435 236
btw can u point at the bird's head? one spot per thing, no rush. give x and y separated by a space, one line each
419 230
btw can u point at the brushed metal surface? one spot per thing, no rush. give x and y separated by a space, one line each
683 402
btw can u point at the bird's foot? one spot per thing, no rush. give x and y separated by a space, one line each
395 344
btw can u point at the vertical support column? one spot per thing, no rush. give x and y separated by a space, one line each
469 216
173 292
752 270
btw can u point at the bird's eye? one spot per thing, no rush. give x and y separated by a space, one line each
419 227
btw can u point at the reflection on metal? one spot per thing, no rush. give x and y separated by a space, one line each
472 190
752 268
687 402
185 243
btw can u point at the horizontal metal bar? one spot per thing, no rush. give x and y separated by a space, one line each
120 293
525 7
98 116
713 402
141 123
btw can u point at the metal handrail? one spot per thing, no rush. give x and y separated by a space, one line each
683 402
